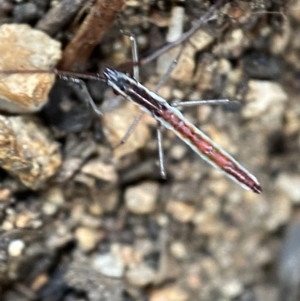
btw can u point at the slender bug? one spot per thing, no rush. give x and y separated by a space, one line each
166 114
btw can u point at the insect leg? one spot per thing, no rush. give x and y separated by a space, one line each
200 102
168 72
130 129
160 152
136 75
84 91
134 53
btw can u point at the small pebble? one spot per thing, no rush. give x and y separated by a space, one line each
232 289
141 199
109 265
174 32
100 170
181 211
290 185
22 220
262 96
178 151
184 70
5 194
201 39
49 209
55 195
55 199
87 238
178 250
117 122
140 275
16 247
39 282
170 293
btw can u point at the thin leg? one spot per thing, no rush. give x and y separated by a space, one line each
136 75
160 152
131 129
168 72
134 53
201 102
84 91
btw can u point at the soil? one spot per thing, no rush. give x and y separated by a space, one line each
106 226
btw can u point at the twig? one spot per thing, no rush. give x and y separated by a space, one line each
93 28
59 15
185 35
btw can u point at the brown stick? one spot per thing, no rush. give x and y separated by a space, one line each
93 28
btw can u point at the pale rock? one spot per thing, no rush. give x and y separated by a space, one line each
16 247
109 265
24 48
27 151
169 293
290 185
263 96
87 238
140 275
181 211
141 199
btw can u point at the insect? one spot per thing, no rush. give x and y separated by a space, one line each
166 114
169 116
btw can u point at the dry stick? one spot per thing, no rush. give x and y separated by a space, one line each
93 28
185 35
59 15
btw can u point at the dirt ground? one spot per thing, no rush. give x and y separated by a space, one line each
84 218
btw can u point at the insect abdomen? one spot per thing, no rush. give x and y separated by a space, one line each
210 152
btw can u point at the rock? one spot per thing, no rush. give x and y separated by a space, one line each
81 276
184 70
24 48
232 288
141 199
179 250
117 122
181 211
5 194
201 39
100 170
235 42
16 247
87 238
263 96
169 293
54 199
140 275
26 150
174 32
279 212
290 185
109 265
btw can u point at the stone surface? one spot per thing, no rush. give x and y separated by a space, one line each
26 150
109 265
116 124
23 48
16 247
140 275
87 238
262 97
141 199
100 170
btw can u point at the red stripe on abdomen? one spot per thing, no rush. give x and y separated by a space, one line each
223 161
